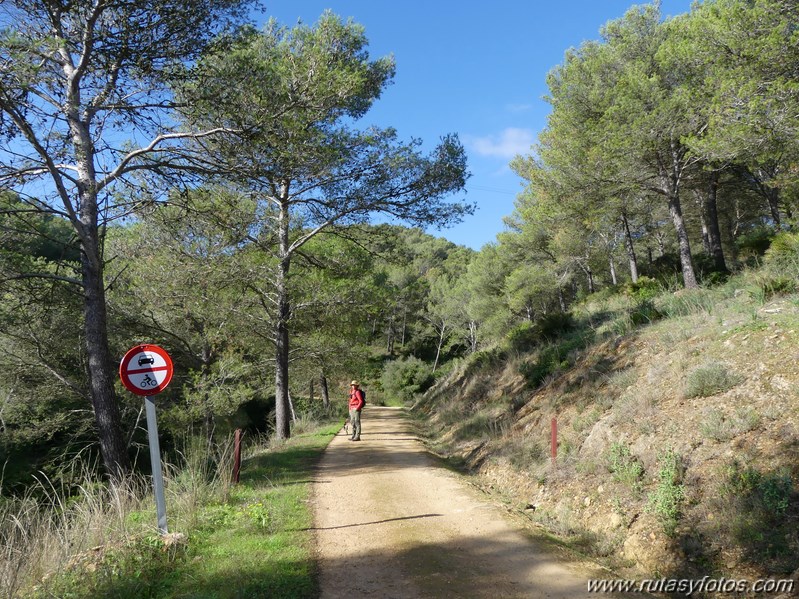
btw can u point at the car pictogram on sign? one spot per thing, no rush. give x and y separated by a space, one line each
145 369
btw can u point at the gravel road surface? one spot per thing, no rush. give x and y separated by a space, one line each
391 522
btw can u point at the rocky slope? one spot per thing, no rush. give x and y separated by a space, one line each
678 440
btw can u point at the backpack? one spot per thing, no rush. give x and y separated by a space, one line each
363 395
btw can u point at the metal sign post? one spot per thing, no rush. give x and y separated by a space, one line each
155 461
147 370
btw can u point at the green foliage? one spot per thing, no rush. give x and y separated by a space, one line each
771 285
783 253
549 361
625 467
403 378
770 492
484 359
754 243
759 512
553 358
687 302
523 337
644 312
667 498
645 288
555 324
710 379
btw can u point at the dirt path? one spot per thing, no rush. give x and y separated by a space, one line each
391 523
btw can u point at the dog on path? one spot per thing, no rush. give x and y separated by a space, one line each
347 426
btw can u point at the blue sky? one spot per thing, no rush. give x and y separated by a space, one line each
473 68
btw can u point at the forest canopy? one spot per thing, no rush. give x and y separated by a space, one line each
669 160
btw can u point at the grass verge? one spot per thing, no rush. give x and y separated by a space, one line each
253 541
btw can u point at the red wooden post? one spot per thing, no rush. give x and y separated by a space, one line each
236 455
554 440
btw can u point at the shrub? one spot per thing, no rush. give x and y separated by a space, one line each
405 377
755 242
710 379
549 327
720 427
644 312
645 288
624 466
757 513
554 358
523 337
481 425
483 360
555 324
769 493
549 362
771 283
688 302
666 500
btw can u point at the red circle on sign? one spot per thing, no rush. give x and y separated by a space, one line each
146 369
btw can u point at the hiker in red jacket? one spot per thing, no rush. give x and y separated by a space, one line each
356 405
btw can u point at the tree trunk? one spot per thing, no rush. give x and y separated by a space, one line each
613 272
440 344
310 391
390 337
773 199
713 231
325 393
705 232
628 243
101 371
291 409
472 336
205 373
670 177
282 427
589 275
404 325
686 260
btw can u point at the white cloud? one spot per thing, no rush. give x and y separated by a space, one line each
517 108
509 143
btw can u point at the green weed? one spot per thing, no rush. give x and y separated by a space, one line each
667 498
625 467
759 513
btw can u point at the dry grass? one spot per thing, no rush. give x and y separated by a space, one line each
44 532
51 530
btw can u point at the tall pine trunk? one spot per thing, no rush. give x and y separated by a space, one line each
712 222
684 244
282 426
670 180
101 370
325 393
440 345
628 244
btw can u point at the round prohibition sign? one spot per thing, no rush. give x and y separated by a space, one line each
146 369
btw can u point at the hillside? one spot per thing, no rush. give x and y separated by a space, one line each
678 429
